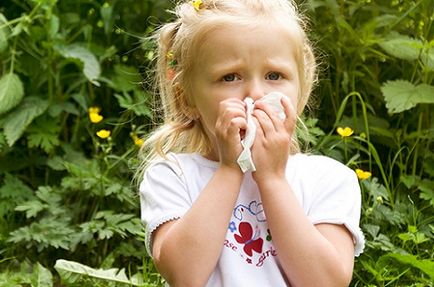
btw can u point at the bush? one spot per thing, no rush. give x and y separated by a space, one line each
75 101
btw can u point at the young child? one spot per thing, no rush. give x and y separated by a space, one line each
291 219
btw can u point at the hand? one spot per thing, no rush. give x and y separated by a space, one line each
231 123
271 147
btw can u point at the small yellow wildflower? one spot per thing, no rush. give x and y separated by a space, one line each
94 115
344 132
103 134
361 174
138 141
196 4
95 118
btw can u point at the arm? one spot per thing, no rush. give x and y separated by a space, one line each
310 255
320 255
186 251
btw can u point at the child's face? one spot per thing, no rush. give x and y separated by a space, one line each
239 62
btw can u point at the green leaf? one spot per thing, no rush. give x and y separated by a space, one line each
42 277
409 180
138 106
17 121
11 92
427 58
72 271
50 231
402 47
3 33
125 78
402 95
43 133
53 26
15 189
91 67
12 193
32 208
425 265
426 188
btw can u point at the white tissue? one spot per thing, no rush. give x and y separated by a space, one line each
245 160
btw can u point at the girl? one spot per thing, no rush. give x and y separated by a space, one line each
290 221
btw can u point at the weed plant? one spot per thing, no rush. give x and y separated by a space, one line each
76 101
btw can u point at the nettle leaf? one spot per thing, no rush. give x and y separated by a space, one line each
402 95
73 271
402 47
17 121
90 64
11 92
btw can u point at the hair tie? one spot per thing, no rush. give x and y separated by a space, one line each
171 61
196 4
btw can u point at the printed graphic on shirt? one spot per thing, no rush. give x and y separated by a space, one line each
251 241
249 235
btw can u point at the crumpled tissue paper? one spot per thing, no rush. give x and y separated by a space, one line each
245 160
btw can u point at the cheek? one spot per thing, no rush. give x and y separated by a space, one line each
208 117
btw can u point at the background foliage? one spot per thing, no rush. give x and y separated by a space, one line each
66 193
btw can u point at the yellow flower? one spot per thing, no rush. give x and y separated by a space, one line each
95 118
344 132
361 174
138 141
94 110
94 115
103 134
196 4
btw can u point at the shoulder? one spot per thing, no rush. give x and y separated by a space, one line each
172 162
318 165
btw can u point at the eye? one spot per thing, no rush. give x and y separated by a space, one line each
273 76
230 78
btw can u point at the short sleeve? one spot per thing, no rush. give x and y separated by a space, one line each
337 200
163 197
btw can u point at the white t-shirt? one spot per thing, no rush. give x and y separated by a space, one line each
327 190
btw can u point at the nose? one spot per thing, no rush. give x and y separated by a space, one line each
255 89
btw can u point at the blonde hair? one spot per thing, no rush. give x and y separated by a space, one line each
177 42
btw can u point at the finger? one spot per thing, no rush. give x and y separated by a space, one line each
290 113
233 103
264 121
272 114
259 131
288 108
236 125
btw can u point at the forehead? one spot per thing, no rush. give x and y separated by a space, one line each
225 41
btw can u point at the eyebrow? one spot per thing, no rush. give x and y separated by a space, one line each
226 66
279 64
